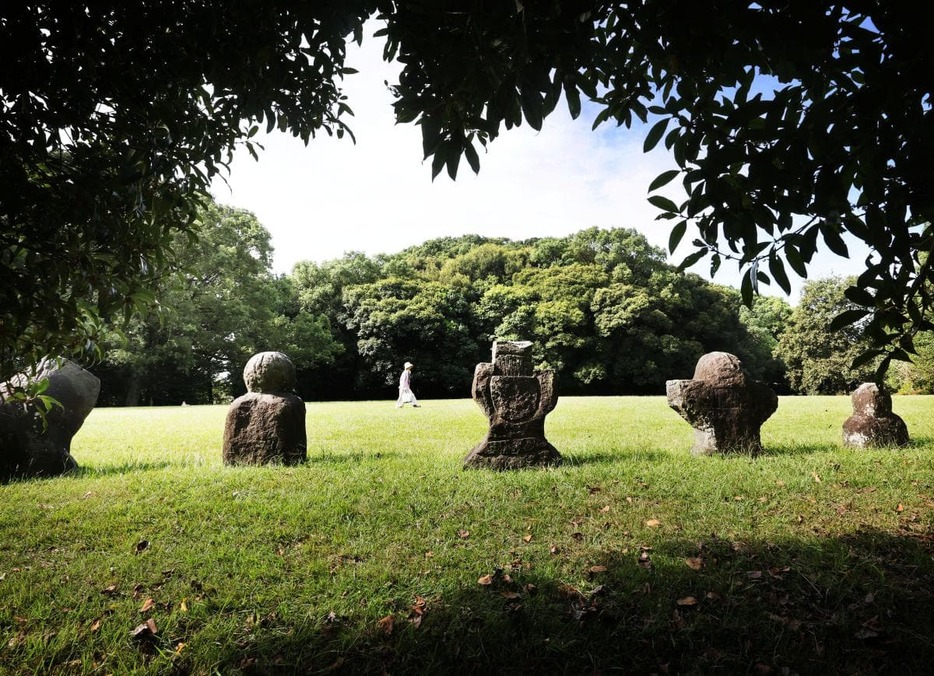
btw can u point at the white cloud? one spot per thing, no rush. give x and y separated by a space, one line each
377 195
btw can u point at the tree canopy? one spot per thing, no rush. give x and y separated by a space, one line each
790 125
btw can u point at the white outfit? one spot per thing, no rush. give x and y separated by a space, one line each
406 396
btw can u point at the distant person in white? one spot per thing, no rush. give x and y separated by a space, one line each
406 396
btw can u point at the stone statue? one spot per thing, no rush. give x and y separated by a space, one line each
31 447
873 425
516 401
267 424
723 404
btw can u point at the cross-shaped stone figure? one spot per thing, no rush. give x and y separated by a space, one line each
723 404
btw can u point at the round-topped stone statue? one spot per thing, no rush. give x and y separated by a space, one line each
873 424
723 404
33 446
267 424
269 372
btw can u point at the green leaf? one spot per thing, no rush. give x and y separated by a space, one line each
846 318
663 179
655 134
663 203
833 240
574 101
472 159
692 259
532 106
454 159
859 296
777 268
794 260
864 358
677 233
747 286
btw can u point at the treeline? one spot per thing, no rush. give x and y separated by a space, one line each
603 308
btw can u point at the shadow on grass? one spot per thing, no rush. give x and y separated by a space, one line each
807 449
606 457
920 442
354 457
798 449
93 472
855 604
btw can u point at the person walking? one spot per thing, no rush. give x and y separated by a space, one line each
406 396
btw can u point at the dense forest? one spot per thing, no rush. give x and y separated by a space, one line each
602 306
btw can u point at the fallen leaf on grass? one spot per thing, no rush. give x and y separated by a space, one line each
900 508
485 580
96 625
553 549
694 562
145 631
595 570
687 601
110 590
645 560
816 477
385 625
527 538
463 534
605 509
417 612
147 605
653 523
511 595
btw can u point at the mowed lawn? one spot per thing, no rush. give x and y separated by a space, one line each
381 555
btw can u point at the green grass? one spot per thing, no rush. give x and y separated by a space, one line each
811 558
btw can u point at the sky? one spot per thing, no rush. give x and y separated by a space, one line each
376 195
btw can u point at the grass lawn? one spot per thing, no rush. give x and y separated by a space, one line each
382 555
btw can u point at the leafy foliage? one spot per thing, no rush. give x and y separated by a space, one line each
601 306
819 360
791 125
220 307
113 120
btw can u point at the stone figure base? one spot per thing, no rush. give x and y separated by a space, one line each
27 447
723 404
265 429
505 454
873 424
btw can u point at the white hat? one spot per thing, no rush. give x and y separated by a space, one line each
408 365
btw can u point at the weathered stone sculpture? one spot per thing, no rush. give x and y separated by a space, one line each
267 424
29 448
516 401
873 425
723 404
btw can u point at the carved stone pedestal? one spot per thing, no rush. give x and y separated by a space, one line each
516 401
267 424
723 404
873 425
